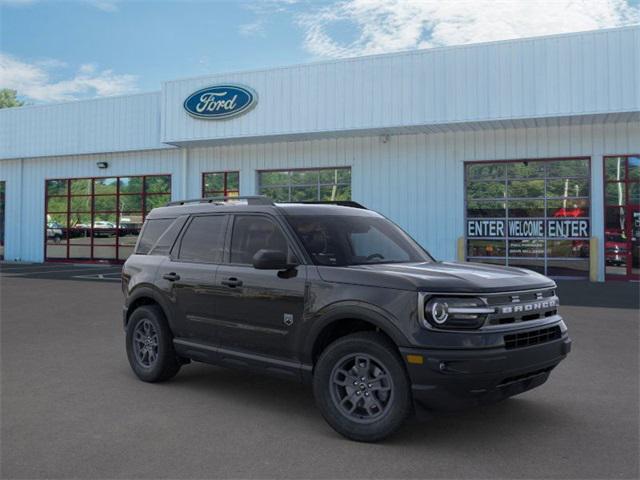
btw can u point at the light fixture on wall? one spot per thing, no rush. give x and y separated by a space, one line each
102 164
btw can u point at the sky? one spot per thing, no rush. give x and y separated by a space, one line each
54 50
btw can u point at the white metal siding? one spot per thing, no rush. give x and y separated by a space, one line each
416 180
11 174
590 77
113 124
25 192
558 76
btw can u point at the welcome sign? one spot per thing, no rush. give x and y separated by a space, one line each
528 228
220 102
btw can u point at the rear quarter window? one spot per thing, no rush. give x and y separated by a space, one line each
151 232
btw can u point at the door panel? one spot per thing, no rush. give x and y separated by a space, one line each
258 310
260 314
192 289
190 276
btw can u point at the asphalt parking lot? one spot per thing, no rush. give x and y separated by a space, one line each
72 408
62 271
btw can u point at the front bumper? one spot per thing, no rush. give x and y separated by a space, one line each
453 379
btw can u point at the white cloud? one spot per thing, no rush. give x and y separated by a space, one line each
265 11
390 25
34 80
269 7
104 5
252 28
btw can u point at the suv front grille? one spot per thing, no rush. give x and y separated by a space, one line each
533 337
544 301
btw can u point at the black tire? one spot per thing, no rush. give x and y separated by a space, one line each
388 401
159 362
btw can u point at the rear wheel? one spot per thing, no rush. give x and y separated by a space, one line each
361 387
150 345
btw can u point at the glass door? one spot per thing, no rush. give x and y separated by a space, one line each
622 217
2 220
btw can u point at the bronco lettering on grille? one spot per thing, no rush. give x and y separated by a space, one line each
529 307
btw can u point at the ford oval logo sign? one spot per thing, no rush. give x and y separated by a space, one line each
220 102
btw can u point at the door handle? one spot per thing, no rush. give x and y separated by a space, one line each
232 282
172 277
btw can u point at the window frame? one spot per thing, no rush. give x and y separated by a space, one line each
292 241
506 259
92 213
174 254
225 191
144 228
627 181
318 184
3 215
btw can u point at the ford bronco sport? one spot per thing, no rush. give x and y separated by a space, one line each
338 296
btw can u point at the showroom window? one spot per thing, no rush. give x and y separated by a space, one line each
327 184
2 187
532 214
622 217
99 219
221 184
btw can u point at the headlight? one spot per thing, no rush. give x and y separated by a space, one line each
454 312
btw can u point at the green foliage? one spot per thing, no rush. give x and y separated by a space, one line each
329 184
8 98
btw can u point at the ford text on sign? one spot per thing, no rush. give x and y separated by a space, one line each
220 102
528 228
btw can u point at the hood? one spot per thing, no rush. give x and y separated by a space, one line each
438 277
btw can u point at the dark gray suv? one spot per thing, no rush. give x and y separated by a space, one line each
338 296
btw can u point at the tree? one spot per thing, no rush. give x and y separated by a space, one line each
8 98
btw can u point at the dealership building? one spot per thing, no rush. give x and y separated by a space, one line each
522 152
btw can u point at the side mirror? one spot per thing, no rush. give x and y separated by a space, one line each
271 260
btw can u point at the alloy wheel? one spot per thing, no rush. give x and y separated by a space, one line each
361 388
145 343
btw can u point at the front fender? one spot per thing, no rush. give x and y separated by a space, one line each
351 309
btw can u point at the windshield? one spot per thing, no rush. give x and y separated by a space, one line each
341 240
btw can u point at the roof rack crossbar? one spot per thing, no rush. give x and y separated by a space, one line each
251 200
341 203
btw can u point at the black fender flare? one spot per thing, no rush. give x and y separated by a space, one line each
148 291
367 312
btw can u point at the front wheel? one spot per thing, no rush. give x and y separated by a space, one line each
361 387
150 345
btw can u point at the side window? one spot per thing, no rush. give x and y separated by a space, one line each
204 239
253 233
151 232
167 239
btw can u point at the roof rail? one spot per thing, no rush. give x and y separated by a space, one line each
251 200
342 203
